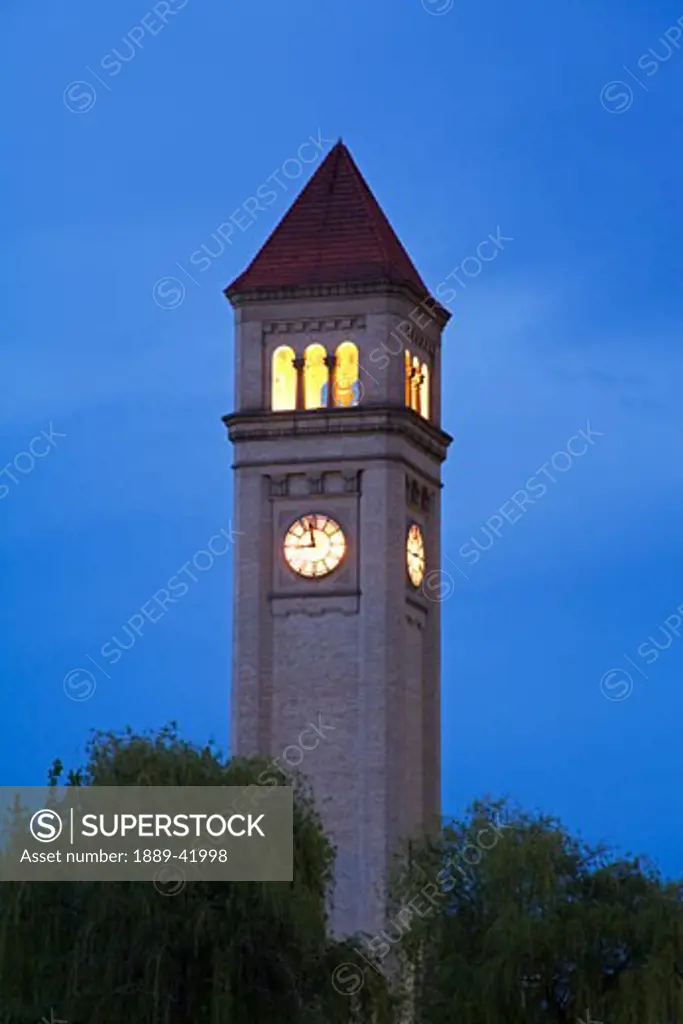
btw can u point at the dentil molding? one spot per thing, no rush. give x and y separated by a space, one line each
320 325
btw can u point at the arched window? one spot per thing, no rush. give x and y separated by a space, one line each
283 384
346 384
424 392
408 368
315 376
415 385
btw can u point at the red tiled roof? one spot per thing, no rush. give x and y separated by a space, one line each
335 232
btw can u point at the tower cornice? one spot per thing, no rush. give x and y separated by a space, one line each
264 425
347 289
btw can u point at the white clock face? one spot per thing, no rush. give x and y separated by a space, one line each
415 555
314 545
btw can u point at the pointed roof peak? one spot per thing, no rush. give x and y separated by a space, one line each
335 232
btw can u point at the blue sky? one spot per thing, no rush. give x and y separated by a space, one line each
466 119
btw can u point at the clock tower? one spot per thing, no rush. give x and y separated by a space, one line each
337 458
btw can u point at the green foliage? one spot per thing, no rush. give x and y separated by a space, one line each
524 924
504 918
123 953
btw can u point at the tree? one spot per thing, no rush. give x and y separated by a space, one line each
121 953
507 919
503 918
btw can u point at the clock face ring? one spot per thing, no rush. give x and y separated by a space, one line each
314 545
415 555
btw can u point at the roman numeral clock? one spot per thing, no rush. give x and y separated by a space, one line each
314 546
338 451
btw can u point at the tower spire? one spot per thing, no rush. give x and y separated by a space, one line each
335 232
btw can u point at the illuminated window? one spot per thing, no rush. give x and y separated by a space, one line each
424 392
283 387
415 385
346 385
315 376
